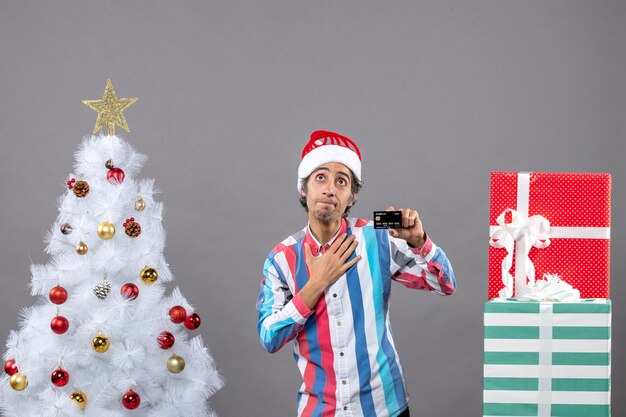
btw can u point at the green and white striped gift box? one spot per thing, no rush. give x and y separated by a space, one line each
546 359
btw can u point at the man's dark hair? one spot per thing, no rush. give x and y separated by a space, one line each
355 187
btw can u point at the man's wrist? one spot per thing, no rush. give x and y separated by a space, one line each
315 285
311 293
417 243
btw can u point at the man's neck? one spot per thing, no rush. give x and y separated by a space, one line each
323 231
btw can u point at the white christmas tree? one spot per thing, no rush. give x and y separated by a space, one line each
103 339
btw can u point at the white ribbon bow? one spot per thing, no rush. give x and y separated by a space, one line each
550 288
522 234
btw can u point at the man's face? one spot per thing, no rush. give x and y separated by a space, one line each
329 191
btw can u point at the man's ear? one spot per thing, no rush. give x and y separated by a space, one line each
352 201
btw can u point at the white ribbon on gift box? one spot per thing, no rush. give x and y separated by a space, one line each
523 233
544 404
550 288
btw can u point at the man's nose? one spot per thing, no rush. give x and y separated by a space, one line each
330 188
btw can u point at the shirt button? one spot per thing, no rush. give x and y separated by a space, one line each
345 408
344 382
340 353
335 295
338 323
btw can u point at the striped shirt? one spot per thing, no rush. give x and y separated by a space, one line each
344 346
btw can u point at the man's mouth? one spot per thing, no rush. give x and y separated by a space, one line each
328 202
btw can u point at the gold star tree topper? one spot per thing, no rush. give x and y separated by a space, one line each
110 110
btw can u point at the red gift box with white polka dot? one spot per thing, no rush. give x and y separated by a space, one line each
565 200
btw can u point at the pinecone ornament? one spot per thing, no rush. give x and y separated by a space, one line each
132 228
81 189
102 289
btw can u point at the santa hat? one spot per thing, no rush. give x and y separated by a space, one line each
327 147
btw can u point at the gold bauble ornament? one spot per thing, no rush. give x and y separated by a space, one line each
80 399
106 230
18 381
101 343
149 275
175 364
81 248
140 204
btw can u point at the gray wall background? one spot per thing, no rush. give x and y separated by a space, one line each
437 94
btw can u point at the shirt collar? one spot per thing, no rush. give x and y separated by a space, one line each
317 247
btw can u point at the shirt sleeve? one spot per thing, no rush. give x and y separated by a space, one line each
425 268
281 315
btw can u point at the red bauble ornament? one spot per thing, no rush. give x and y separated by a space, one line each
115 176
192 322
58 295
178 314
131 400
166 340
10 367
60 377
59 324
129 291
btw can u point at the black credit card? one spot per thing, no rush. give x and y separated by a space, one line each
387 220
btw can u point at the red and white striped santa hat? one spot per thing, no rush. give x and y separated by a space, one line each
324 147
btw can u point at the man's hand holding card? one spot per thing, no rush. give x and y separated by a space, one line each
404 224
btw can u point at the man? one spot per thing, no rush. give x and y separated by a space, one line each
327 289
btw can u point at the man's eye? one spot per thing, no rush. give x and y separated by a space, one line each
341 182
319 177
